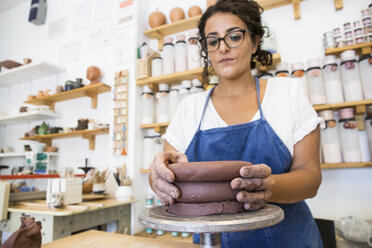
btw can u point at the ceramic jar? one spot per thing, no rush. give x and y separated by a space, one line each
180 53
350 76
332 80
349 136
168 55
299 73
314 77
365 67
330 143
162 104
147 101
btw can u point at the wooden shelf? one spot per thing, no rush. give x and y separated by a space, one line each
167 236
33 176
22 154
91 91
346 165
28 72
27 117
360 106
361 49
172 28
158 127
145 171
176 77
271 4
85 134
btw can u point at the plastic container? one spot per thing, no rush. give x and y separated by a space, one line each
336 32
347 25
367 29
348 34
314 77
364 146
148 152
370 9
193 51
180 53
349 136
156 67
332 80
365 67
328 40
147 106
168 56
282 70
358 31
368 127
349 42
162 104
330 143
185 89
197 86
365 12
366 20
158 144
357 24
368 37
299 73
149 201
174 100
350 77
359 39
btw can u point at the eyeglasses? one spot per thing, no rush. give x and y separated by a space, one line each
232 39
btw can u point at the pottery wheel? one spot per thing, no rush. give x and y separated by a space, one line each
211 226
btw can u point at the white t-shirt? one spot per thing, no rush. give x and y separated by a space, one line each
285 107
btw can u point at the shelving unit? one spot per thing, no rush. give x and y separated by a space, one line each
91 91
346 165
171 78
361 49
27 117
21 154
85 134
33 176
172 28
360 106
28 72
158 127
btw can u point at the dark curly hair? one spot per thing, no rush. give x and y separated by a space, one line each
250 13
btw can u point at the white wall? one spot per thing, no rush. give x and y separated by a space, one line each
343 191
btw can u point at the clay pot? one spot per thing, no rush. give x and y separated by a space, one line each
194 11
177 14
157 19
211 2
40 94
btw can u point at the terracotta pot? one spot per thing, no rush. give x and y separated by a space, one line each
194 11
176 14
157 19
211 2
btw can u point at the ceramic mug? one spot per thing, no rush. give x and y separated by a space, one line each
98 188
124 193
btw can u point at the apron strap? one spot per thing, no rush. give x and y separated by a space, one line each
258 97
211 91
205 107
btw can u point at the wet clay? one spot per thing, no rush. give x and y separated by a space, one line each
213 171
201 209
206 188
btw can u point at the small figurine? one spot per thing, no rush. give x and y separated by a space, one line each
93 74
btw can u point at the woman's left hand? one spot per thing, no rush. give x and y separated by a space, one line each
255 184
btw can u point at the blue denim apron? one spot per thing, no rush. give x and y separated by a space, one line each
256 142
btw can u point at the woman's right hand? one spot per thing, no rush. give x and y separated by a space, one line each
161 177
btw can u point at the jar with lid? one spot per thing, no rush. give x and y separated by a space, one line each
185 89
162 104
168 55
328 40
349 136
197 86
174 100
299 73
350 76
148 152
332 80
368 126
193 51
265 75
365 67
330 143
156 67
158 144
314 78
282 70
147 101
181 53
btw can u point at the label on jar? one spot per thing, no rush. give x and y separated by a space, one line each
314 73
349 65
350 125
330 67
298 74
161 94
146 96
330 124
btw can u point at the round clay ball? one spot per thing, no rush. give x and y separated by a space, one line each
194 11
177 14
157 19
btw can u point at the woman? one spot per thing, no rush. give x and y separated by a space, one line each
269 123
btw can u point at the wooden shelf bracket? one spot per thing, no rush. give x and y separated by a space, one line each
92 140
296 9
93 97
339 4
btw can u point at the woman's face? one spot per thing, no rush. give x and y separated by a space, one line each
229 63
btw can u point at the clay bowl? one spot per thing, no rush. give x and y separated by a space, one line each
206 188
50 149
